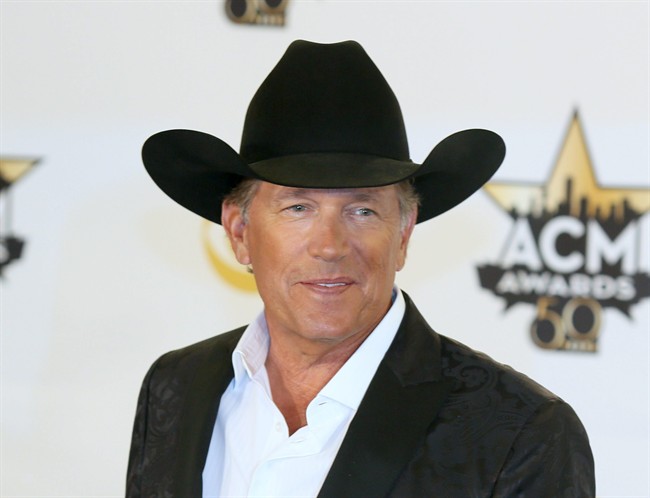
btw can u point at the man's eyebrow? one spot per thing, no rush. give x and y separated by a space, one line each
364 196
357 195
290 194
293 192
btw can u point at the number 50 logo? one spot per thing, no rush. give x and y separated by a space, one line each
571 324
265 12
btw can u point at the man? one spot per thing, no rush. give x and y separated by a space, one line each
339 388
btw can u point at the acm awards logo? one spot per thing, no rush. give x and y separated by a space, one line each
573 250
11 246
263 12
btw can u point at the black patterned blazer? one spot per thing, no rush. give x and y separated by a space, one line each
438 420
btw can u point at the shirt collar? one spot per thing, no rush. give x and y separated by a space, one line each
349 384
251 351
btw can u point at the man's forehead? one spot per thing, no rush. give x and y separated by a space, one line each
361 193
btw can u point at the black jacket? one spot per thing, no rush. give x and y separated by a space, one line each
438 420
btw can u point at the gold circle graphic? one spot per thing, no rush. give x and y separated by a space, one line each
233 274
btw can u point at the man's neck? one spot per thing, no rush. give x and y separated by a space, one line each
296 376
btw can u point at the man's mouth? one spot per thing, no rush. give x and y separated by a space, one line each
327 283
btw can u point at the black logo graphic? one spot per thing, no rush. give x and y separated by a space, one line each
265 12
11 246
573 250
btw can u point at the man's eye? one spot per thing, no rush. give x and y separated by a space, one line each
297 208
364 212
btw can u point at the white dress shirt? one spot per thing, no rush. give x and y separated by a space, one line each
251 453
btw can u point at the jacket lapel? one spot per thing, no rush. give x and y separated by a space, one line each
211 378
400 404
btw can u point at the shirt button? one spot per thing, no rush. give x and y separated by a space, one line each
278 426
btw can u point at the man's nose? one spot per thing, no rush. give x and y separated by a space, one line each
328 238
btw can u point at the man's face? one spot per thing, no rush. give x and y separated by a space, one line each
324 260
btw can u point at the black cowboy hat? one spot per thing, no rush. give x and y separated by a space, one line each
324 117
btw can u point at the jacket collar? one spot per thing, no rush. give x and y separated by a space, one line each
209 382
401 402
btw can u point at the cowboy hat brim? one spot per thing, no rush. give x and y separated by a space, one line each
198 170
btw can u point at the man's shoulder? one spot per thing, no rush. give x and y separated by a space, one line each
497 430
216 348
467 371
227 340
479 380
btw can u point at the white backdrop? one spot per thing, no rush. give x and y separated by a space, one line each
114 273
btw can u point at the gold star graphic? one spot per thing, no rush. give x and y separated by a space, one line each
572 186
13 168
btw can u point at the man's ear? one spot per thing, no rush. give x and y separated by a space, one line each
233 223
405 237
